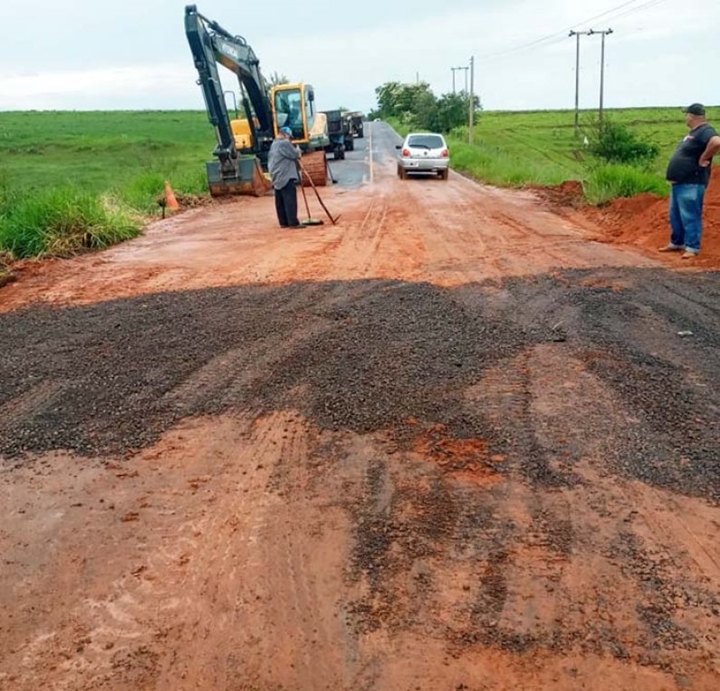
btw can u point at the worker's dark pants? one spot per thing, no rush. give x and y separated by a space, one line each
286 205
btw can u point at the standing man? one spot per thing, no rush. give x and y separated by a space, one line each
689 174
283 169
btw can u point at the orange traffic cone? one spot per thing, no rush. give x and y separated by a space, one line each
171 201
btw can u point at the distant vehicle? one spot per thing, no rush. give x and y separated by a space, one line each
355 120
339 127
423 152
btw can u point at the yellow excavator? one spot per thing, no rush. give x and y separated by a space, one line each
243 143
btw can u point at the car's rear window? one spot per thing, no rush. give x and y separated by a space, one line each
427 141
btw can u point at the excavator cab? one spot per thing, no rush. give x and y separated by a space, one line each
288 111
294 107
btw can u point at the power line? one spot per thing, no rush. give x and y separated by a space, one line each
547 40
605 14
559 36
646 6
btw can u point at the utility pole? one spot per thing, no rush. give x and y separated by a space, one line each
472 98
602 69
457 69
577 35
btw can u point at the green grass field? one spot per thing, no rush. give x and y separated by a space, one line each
116 150
544 147
76 180
104 151
95 177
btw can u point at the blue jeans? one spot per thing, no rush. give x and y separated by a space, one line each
686 208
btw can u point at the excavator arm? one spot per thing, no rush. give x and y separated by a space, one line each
211 44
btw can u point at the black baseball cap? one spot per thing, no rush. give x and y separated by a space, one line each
695 109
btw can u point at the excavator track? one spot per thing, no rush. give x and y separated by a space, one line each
314 165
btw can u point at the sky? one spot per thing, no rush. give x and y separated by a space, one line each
101 55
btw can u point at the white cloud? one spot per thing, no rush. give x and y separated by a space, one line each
98 88
136 55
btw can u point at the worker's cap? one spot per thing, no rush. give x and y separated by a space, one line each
286 130
695 109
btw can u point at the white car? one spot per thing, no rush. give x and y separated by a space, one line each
423 152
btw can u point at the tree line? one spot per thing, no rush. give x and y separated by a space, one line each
416 106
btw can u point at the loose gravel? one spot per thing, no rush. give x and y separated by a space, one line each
110 378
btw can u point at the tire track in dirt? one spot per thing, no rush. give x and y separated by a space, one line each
224 381
227 545
362 239
501 243
449 545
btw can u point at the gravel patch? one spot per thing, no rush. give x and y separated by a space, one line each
370 355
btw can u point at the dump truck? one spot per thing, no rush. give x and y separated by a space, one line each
356 122
340 134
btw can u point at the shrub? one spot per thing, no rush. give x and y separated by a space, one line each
616 143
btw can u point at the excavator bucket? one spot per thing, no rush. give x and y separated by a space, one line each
248 179
314 169
261 182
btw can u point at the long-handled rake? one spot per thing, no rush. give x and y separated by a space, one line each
317 194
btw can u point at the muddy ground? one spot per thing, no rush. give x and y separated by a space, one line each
459 441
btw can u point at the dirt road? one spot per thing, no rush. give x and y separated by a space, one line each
451 443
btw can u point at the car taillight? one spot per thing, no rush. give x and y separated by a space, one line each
406 153
445 153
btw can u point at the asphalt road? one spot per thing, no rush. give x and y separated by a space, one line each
377 147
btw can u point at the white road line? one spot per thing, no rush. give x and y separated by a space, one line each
372 172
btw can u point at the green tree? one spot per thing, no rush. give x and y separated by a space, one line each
416 106
276 79
424 112
453 111
396 99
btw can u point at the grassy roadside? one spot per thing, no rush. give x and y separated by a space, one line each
72 181
515 149
62 221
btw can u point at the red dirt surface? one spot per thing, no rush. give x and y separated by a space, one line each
248 552
642 221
